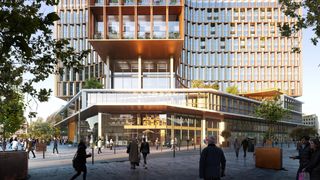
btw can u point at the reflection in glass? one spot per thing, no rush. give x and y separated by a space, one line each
128 27
159 27
144 27
113 27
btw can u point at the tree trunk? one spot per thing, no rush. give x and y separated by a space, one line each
4 139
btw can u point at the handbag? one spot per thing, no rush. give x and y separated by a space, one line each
75 163
304 176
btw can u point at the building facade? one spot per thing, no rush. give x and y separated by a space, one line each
146 52
238 42
311 120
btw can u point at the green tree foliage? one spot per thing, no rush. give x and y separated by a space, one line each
232 90
201 84
299 132
11 113
92 84
310 19
272 111
29 54
226 134
42 130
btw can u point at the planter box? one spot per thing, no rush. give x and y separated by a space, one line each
14 165
268 157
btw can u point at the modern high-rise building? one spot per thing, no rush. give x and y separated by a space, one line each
238 42
147 52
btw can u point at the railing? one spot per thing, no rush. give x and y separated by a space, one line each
128 35
129 2
174 35
159 35
99 2
114 2
159 2
113 35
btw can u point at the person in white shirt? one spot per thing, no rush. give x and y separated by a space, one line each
15 144
99 146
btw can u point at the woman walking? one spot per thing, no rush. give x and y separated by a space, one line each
145 150
313 167
80 160
133 151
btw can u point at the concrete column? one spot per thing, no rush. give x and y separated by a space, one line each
203 131
172 127
107 73
100 125
222 127
172 81
139 73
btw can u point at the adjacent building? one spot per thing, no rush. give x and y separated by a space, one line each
147 52
311 120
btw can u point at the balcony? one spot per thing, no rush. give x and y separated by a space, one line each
128 35
144 35
159 35
113 35
129 2
144 2
98 35
173 2
174 35
114 2
159 2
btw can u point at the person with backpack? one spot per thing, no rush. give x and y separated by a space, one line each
145 150
79 161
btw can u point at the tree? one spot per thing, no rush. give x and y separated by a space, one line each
299 132
11 113
29 54
226 134
272 111
92 84
201 84
42 130
232 90
311 19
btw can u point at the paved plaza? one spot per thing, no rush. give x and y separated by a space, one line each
161 165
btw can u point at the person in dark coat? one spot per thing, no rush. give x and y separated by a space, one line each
313 167
304 154
81 160
145 150
55 145
133 151
245 144
212 162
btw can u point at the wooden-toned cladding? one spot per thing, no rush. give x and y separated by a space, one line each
132 49
135 3
96 12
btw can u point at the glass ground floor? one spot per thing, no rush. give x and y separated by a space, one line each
186 129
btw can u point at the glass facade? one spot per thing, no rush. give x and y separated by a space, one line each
224 40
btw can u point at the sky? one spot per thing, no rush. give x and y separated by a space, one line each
311 82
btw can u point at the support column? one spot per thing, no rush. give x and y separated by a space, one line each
172 127
172 81
203 131
139 73
222 127
100 125
107 73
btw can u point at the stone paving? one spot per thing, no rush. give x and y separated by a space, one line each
161 165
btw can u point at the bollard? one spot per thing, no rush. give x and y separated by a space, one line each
114 149
161 146
43 154
188 145
92 155
200 148
179 144
174 150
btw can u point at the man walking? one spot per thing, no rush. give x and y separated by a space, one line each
55 145
30 147
212 162
245 145
236 146
145 150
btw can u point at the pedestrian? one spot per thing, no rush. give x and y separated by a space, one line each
245 145
313 167
304 154
55 145
10 142
30 147
157 144
236 146
145 150
212 162
99 146
80 160
15 144
133 151
111 144
172 144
